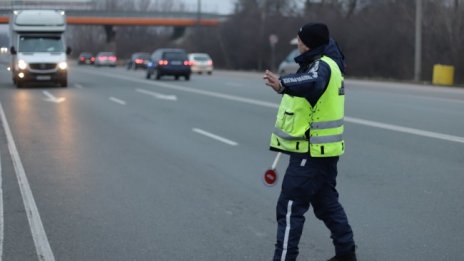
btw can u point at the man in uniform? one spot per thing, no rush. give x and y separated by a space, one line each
309 127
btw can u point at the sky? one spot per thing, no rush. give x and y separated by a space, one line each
219 6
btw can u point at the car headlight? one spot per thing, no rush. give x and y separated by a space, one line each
63 65
22 65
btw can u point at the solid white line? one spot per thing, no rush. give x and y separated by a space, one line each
397 128
428 134
216 137
42 246
116 100
287 230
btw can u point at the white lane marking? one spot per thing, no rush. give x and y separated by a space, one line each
78 86
376 85
434 98
116 100
158 95
429 134
52 98
42 246
216 137
1 211
188 89
397 128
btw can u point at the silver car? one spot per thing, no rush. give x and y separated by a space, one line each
289 65
106 59
201 63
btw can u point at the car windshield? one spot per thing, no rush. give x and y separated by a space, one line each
175 56
44 44
106 54
201 58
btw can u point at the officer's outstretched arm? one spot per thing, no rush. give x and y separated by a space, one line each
310 85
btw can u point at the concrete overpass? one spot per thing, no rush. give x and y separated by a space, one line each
178 20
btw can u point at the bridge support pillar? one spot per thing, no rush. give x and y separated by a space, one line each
110 37
178 32
110 33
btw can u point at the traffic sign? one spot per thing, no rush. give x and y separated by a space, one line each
273 39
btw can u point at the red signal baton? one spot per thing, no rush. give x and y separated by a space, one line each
270 176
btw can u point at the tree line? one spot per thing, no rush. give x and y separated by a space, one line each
377 37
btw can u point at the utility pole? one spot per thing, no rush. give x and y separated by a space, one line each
199 12
418 44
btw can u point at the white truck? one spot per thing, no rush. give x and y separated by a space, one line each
38 47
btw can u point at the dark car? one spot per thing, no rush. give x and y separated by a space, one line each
172 62
138 60
86 58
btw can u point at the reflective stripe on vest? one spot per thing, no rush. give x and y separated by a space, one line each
284 135
326 124
325 139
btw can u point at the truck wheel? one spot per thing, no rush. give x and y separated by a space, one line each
19 84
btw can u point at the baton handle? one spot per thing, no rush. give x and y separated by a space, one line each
276 160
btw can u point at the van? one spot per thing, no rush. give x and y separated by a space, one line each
38 47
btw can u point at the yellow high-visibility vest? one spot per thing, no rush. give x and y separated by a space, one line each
324 121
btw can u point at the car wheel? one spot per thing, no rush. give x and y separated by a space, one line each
187 77
210 72
176 77
158 75
148 76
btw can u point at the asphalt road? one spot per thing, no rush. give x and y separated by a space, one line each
122 168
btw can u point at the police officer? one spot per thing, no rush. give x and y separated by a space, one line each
309 127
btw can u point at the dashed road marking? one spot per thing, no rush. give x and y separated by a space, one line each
216 137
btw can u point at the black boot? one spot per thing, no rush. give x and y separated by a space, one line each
351 256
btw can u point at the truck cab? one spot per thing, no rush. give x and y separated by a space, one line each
38 47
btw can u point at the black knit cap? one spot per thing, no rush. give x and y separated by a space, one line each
314 35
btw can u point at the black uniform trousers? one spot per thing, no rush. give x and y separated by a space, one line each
310 181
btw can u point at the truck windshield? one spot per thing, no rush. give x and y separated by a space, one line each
43 44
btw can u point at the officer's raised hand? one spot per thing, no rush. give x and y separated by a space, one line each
272 80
